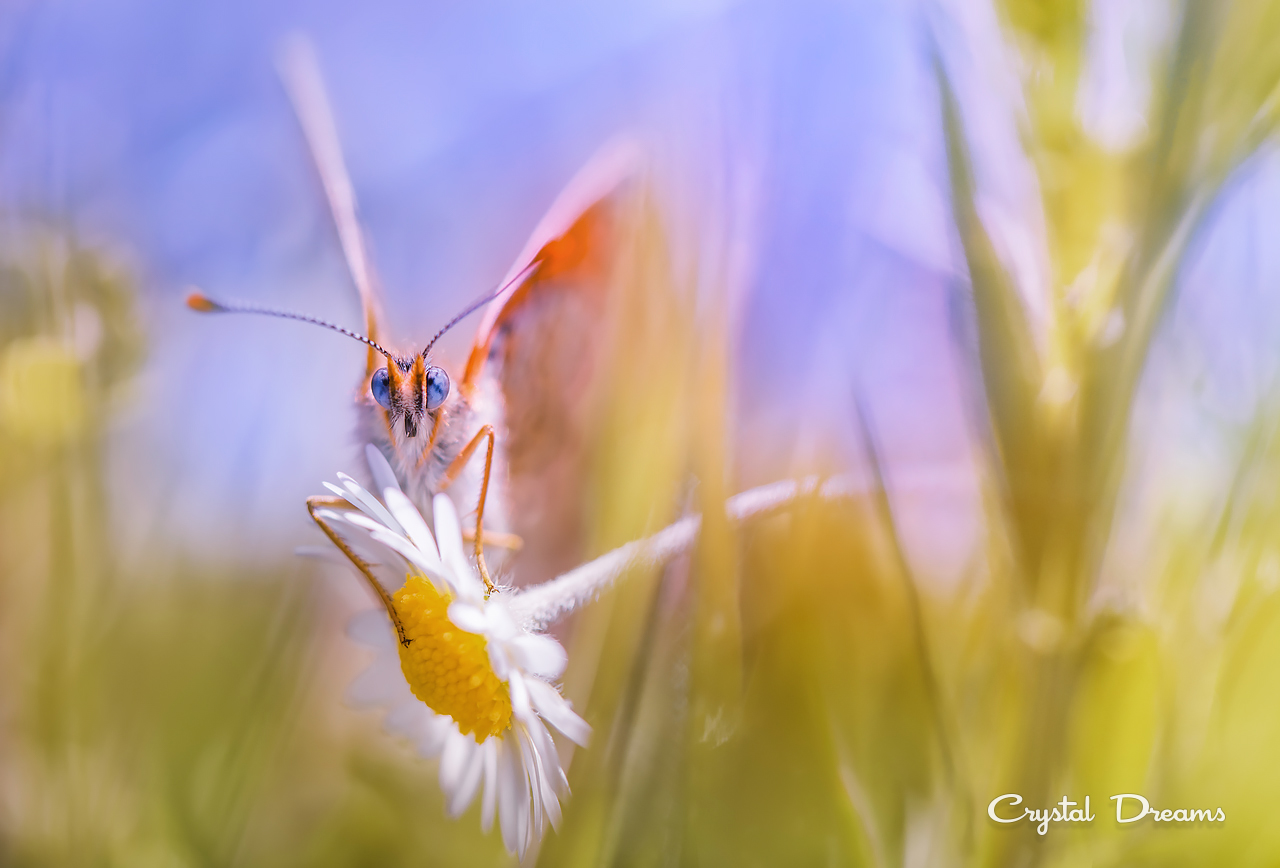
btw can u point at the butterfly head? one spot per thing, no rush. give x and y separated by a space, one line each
408 389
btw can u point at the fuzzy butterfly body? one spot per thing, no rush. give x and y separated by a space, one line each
421 430
530 359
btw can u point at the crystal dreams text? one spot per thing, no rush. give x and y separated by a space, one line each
1129 809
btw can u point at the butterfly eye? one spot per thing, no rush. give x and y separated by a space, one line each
437 387
380 386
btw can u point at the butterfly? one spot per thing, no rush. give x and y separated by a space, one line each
479 433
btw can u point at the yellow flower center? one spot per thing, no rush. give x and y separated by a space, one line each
448 668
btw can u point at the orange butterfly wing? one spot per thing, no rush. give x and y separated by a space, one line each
542 341
566 245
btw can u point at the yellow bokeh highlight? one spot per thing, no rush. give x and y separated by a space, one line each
446 667
42 396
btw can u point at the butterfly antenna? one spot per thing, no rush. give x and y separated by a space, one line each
197 300
475 306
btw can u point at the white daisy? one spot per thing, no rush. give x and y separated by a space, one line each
463 679
467 678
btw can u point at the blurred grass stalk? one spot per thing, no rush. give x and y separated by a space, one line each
1085 698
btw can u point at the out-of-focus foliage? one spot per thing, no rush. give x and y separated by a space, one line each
1131 697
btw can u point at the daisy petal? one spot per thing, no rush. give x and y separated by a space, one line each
467 617
555 710
449 536
489 802
552 806
539 655
415 528
526 827
408 718
434 735
333 489
499 660
372 627
552 773
362 521
376 686
354 500
453 762
520 705
384 562
533 772
511 781
383 476
364 501
502 625
365 542
468 783
331 515
545 760
429 566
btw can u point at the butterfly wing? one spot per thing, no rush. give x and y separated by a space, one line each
567 246
540 342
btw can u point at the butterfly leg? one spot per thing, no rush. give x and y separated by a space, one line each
325 502
508 541
450 474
